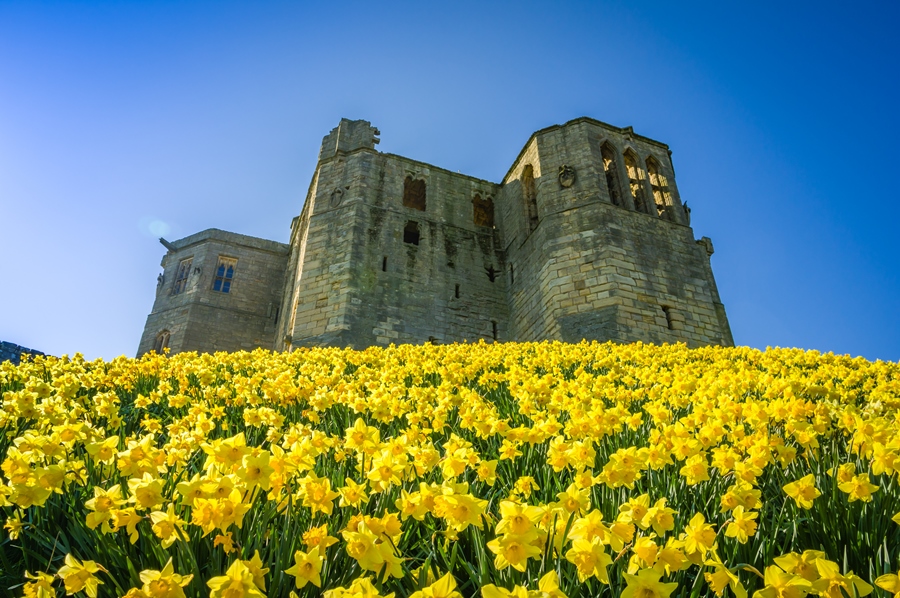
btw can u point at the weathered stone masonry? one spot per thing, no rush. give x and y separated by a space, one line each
585 238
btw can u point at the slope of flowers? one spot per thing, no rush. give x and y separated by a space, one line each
461 470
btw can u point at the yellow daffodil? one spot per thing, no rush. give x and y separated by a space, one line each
78 576
803 491
236 583
307 568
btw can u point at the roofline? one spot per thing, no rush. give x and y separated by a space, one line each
216 234
390 155
581 119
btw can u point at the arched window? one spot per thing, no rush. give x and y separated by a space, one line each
483 211
660 187
635 176
529 195
414 193
608 154
162 341
224 274
181 276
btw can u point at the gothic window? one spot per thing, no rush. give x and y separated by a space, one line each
414 193
224 274
608 155
161 342
411 233
483 211
529 195
181 276
660 186
635 176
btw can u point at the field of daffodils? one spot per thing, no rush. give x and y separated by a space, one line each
494 470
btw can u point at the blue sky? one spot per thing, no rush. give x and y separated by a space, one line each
122 121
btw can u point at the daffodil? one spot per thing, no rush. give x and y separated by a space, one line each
445 587
803 491
165 583
742 526
513 550
889 582
236 583
307 568
78 576
646 584
590 559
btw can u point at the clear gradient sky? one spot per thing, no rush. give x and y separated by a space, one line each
124 121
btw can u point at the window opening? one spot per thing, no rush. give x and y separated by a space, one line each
529 195
456 292
162 341
491 273
635 174
384 264
411 233
483 211
608 155
181 276
224 274
668 311
494 329
512 274
660 186
414 193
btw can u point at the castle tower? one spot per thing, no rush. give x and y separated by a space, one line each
392 250
218 291
599 243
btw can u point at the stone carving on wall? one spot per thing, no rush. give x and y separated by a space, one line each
336 196
566 176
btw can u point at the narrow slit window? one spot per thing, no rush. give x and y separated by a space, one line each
529 196
181 276
414 193
456 292
608 154
491 273
512 274
224 274
494 329
384 264
668 311
660 186
411 233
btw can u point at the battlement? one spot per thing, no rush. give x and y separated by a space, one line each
585 237
349 135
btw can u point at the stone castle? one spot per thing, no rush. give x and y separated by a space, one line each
585 237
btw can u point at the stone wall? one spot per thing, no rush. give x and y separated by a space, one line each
200 318
13 352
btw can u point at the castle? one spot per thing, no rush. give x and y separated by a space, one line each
585 237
